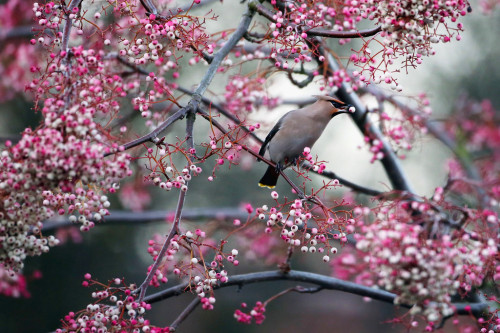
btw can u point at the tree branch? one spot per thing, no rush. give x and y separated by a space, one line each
224 51
210 104
15 32
202 87
187 311
149 6
345 182
439 133
343 34
174 231
322 281
153 136
134 218
191 116
390 161
69 22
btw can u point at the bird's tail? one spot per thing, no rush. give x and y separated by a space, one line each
270 178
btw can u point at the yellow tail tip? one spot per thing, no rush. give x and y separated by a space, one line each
268 186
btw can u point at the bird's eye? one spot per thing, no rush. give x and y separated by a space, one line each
337 104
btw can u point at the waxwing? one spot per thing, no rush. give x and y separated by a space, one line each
296 130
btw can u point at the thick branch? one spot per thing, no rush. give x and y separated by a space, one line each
343 34
152 136
390 161
439 133
322 281
224 51
149 6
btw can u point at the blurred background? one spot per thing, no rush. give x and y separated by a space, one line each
469 67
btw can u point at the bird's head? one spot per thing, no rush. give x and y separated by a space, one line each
337 106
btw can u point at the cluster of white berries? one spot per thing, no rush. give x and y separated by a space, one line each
206 284
293 226
180 181
423 272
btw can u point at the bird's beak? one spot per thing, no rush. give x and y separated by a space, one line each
343 109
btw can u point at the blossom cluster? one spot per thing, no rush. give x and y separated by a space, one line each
288 30
289 39
401 123
59 167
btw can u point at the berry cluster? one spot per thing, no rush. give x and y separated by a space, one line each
186 256
421 271
115 310
300 226
409 31
12 284
243 95
256 314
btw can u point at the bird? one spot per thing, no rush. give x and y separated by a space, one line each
294 131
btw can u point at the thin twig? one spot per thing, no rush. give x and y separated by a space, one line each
199 5
187 311
345 182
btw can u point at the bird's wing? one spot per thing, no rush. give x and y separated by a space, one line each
271 135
